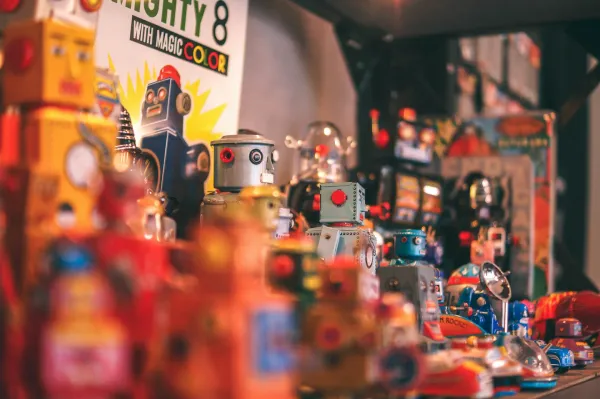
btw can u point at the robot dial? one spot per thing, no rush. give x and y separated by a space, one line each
150 170
256 156
81 165
369 255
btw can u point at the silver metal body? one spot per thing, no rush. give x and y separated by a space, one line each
352 241
251 163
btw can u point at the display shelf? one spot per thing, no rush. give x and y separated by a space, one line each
576 384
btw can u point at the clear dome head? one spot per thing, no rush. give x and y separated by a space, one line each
528 353
323 152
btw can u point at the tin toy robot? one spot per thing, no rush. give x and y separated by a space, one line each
62 137
245 159
323 152
569 335
229 329
357 343
82 12
408 274
518 319
434 252
342 214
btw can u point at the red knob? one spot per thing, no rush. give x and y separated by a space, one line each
227 155
322 150
316 204
374 114
19 55
338 197
382 139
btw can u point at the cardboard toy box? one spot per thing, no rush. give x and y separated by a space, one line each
530 134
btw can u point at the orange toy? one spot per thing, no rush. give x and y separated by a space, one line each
229 337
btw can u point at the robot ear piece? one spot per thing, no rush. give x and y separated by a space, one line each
183 103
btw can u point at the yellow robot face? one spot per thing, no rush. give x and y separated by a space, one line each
49 62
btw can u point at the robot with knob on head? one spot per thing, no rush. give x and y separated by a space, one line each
342 214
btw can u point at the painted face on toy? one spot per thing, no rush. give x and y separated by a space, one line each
410 244
156 101
482 252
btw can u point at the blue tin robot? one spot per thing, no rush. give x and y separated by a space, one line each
409 248
343 209
518 319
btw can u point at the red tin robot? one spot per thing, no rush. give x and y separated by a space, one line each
568 335
84 348
138 268
229 337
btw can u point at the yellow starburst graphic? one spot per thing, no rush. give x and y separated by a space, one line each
199 123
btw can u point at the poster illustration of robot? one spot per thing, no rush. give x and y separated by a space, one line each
179 65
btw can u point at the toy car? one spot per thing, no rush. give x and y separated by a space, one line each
450 375
538 372
562 359
507 373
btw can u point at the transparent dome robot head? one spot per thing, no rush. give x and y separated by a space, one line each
323 152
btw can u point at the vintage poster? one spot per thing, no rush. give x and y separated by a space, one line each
179 65
531 134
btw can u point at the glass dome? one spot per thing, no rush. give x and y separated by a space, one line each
528 353
323 151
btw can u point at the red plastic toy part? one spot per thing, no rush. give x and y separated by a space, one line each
382 139
9 5
339 198
321 150
283 266
329 337
91 5
19 55
169 71
227 155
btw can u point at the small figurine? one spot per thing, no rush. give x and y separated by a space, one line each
342 208
568 335
229 324
518 319
323 153
482 250
245 159
434 251
409 274
84 350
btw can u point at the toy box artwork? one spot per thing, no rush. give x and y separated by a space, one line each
518 169
530 134
107 95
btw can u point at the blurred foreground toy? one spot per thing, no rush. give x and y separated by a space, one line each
353 343
85 350
57 133
568 335
342 208
228 324
507 374
265 203
538 372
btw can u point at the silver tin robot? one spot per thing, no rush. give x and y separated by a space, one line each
240 160
342 207
243 160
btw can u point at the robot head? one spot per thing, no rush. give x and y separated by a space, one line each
165 104
48 62
243 160
342 203
264 202
410 244
118 200
568 328
323 152
79 12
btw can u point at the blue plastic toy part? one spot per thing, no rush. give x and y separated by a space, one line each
561 359
410 244
538 385
69 257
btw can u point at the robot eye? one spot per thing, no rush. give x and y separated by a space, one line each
227 155
58 50
417 240
162 94
256 156
393 284
150 96
404 239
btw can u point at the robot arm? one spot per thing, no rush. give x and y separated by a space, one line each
329 240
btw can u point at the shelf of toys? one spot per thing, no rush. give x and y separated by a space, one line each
324 296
